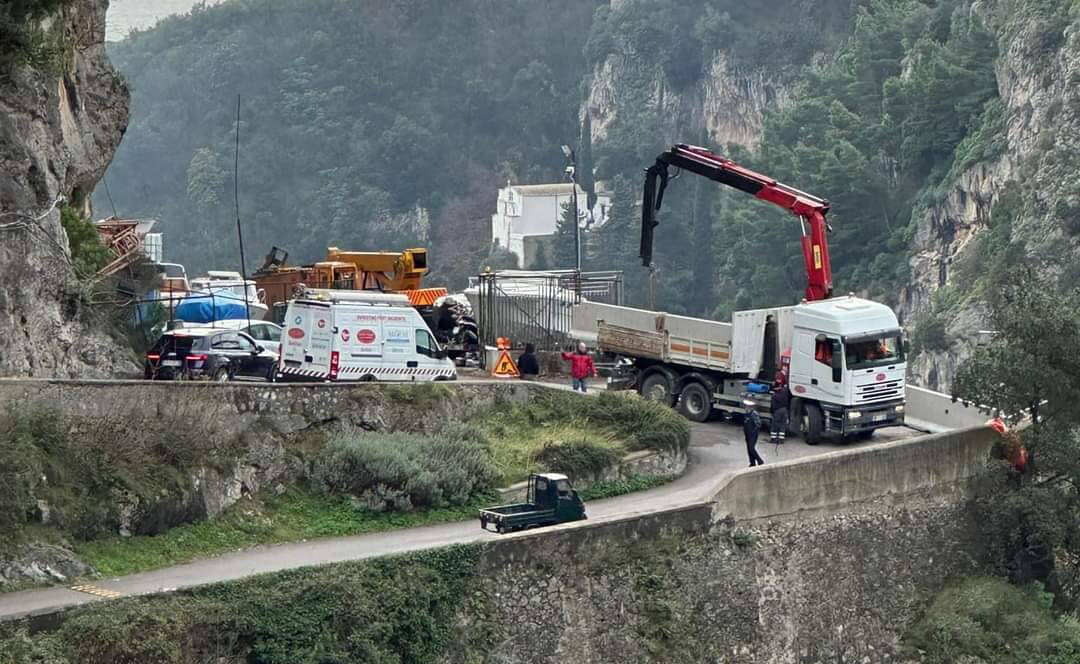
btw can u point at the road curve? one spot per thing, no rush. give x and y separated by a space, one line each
716 450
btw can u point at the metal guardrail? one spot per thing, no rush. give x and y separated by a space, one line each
537 307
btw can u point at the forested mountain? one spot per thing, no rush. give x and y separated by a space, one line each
940 130
365 125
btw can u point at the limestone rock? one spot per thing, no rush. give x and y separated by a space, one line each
58 133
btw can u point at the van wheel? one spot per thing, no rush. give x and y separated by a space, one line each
367 379
656 387
221 375
695 402
812 423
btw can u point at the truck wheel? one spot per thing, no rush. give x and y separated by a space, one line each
499 528
695 402
656 387
812 423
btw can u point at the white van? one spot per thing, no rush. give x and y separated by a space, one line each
355 335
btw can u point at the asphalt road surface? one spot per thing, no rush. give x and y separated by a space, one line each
716 450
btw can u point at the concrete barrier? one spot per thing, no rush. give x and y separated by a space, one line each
839 478
933 411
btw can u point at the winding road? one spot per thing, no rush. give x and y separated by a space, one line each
716 450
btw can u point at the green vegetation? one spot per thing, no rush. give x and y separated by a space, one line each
88 254
564 432
387 611
22 41
100 474
80 467
380 107
993 621
1030 368
266 518
623 486
400 471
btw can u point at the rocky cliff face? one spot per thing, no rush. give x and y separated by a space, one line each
59 127
1036 74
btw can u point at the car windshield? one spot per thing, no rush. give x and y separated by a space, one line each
865 353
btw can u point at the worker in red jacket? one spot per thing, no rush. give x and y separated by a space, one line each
581 366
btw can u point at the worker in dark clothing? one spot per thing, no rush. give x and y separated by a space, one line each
751 427
527 364
781 398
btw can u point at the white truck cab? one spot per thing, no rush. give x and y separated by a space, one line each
359 336
847 358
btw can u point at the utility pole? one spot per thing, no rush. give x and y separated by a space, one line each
571 171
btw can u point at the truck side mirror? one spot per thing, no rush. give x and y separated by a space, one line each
837 363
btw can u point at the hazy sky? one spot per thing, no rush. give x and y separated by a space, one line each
127 14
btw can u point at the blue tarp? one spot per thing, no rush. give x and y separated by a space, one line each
207 309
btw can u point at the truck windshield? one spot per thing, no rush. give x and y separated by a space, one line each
865 353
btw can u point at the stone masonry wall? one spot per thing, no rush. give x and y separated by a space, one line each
671 587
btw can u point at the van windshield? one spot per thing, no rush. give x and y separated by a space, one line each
873 352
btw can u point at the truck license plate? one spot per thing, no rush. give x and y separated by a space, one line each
879 418
170 363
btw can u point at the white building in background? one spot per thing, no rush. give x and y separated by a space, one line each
526 216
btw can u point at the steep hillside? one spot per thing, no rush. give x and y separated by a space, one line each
367 125
62 112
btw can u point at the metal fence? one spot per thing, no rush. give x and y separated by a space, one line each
537 307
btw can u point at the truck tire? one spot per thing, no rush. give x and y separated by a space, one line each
695 402
656 387
812 423
499 528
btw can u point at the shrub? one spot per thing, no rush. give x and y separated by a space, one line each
644 425
402 471
994 621
578 457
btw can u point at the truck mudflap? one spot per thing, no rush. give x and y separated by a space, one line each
851 420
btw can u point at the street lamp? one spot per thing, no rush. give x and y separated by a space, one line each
571 172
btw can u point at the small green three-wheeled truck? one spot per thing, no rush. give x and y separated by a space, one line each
551 500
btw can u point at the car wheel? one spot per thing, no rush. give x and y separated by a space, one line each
695 402
221 375
656 387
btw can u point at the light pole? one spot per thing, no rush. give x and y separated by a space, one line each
571 172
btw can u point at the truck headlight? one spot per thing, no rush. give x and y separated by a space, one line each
854 414
900 408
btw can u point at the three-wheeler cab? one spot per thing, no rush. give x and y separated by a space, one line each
551 499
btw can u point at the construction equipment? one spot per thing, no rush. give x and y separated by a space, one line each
843 358
385 271
810 209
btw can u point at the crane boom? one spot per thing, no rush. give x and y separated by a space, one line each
809 208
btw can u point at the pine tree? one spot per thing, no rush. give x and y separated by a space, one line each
563 252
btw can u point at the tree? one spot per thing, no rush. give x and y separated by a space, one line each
564 254
1031 369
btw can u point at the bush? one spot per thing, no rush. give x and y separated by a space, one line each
644 425
990 619
402 471
578 457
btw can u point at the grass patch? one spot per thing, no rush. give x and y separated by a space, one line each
572 433
293 516
623 486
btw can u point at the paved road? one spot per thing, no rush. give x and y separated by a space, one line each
716 449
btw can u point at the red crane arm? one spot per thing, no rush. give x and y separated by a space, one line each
809 208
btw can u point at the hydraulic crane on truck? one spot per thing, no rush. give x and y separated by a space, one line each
810 209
